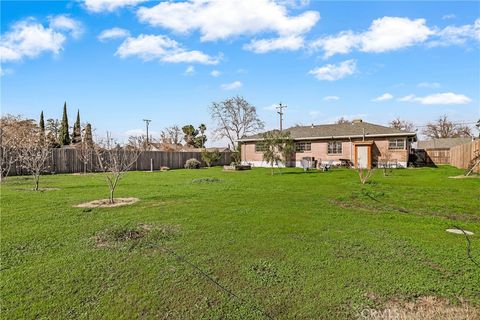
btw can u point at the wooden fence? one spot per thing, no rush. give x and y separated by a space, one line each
68 161
461 155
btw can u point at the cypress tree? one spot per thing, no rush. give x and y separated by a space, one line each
64 135
41 124
87 136
77 135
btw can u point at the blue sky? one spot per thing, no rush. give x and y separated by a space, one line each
169 61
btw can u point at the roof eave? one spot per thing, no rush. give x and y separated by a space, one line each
400 134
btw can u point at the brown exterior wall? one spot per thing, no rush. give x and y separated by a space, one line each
460 156
319 151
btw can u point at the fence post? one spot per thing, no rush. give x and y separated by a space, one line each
151 164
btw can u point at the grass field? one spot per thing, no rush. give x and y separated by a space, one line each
295 245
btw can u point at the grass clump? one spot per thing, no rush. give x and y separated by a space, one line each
207 180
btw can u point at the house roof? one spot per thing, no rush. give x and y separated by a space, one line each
444 143
341 130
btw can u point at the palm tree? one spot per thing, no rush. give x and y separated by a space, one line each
202 128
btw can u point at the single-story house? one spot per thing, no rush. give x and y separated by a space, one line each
437 151
364 144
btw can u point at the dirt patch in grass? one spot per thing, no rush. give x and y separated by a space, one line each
105 203
39 189
423 308
128 237
473 176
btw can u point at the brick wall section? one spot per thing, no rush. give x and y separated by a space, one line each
319 151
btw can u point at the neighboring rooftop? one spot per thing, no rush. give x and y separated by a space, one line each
444 143
355 129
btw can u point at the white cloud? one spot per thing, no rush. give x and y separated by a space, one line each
453 35
332 72
433 85
232 86
189 71
150 47
384 97
215 73
109 5
290 43
438 99
408 98
449 16
65 23
113 33
224 19
384 34
331 98
29 39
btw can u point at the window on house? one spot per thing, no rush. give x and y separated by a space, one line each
303 146
335 147
260 147
396 144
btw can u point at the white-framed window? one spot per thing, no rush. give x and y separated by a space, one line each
396 144
260 146
334 147
303 146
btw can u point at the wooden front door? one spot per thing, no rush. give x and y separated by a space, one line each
363 154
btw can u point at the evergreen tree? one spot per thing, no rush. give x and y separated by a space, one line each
64 135
41 124
87 136
76 134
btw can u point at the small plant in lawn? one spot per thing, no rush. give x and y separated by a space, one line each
115 160
206 180
192 164
365 174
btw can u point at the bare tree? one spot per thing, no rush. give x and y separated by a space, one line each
13 131
171 135
342 120
235 119
404 125
365 174
115 160
444 128
33 154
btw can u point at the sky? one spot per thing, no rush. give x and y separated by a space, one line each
122 61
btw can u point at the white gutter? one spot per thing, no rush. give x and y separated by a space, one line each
408 134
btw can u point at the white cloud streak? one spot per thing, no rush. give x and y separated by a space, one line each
331 98
109 5
160 47
384 97
231 86
333 72
113 33
438 99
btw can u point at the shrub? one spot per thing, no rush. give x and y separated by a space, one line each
192 164
209 157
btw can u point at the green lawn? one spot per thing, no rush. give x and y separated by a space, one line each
295 245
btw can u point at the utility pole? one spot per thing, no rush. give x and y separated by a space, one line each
147 123
280 108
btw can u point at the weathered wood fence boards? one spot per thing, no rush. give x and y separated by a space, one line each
438 156
68 161
461 155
